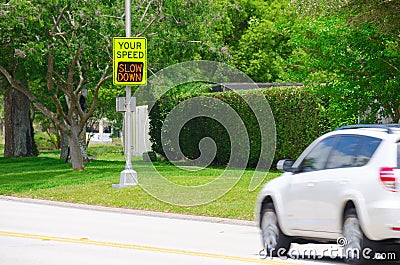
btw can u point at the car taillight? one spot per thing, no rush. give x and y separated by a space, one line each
388 178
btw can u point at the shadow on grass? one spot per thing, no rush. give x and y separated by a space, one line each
47 171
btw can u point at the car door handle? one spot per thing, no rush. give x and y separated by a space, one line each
311 184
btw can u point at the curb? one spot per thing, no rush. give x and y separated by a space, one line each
130 211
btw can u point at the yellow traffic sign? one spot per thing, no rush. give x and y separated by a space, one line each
129 60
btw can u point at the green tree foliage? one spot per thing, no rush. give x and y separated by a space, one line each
63 48
176 31
385 14
351 49
263 47
231 20
184 31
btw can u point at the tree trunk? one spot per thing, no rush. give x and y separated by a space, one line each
64 146
1 115
74 149
19 141
1 128
83 145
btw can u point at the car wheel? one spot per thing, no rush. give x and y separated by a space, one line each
275 242
355 251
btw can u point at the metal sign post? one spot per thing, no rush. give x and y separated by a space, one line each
128 176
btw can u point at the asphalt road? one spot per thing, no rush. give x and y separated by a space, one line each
47 233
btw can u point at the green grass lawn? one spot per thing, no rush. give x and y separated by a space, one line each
47 177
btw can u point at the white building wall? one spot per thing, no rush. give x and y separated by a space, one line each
140 130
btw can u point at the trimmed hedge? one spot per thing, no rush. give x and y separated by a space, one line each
298 113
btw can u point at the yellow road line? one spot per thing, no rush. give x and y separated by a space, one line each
86 241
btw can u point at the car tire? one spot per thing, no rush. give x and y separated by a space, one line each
358 249
275 242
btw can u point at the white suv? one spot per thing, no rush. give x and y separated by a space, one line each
346 184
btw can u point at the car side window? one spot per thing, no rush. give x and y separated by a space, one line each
367 150
398 154
317 157
352 151
345 152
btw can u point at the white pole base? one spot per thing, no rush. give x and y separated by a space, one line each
128 178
